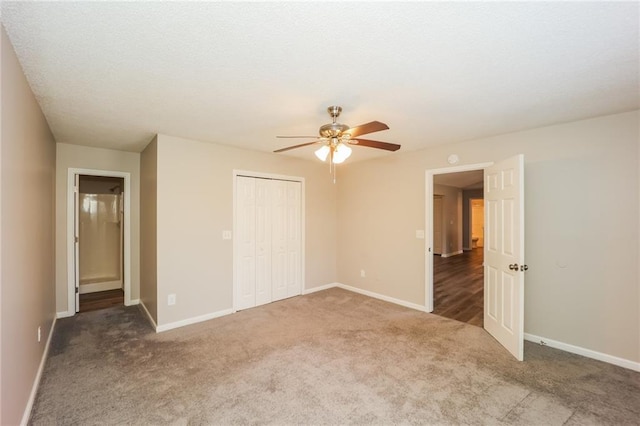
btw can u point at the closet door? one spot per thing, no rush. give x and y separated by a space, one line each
246 242
263 241
268 241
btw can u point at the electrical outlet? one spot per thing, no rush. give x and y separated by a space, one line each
39 334
171 299
362 273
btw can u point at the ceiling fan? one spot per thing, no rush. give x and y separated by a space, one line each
336 138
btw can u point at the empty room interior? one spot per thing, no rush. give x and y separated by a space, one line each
319 213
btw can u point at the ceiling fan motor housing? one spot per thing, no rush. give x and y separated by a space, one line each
333 130
335 135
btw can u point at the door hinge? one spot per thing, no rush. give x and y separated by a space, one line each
76 239
77 290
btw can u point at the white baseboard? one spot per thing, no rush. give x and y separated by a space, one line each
319 288
103 286
382 297
621 362
36 382
455 253
194 320
149 317
132 302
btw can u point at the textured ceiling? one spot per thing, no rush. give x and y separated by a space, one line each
112 74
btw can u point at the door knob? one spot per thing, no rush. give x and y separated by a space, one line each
513 267
524 267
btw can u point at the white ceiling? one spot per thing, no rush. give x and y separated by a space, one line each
113 74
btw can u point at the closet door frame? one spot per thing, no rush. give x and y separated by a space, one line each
236 246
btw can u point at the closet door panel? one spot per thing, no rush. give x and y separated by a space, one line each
279 239
246 230
294 239
263 241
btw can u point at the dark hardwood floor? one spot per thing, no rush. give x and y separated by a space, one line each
101 300
458 287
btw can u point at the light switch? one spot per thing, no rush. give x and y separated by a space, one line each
420 234
226 235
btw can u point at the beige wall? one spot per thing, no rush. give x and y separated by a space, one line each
75 156
194 206
451 217
581 208
27 254
148 230
467 195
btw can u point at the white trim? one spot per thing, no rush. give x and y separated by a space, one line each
133 302
36 382
71 172
149 317
103 286
455 253
382 297
303 227
610 359
194 320
64 314
319 288
428 219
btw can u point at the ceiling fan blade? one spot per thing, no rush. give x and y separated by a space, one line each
375 144
298 146
286 137
363 129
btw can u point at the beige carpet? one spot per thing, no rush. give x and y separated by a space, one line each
333 357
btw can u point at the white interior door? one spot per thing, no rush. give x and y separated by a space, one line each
504 254
437 224
76 238
246 240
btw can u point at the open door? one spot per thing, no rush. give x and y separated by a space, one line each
76 241
504 254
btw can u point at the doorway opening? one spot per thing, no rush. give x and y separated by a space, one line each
458 275
98 239
454 187
100 245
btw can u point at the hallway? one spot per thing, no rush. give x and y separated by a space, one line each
458 287
101 300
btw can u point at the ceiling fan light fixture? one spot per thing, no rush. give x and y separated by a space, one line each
341 153
322 152
335 139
